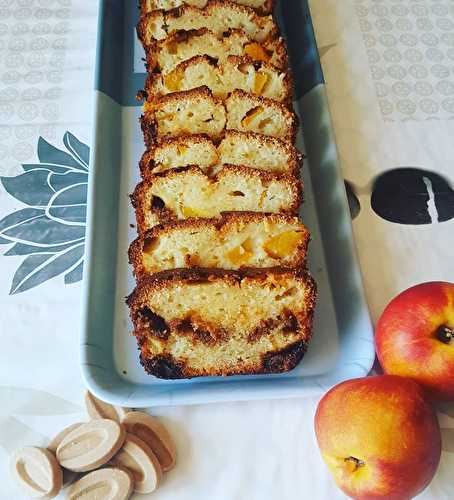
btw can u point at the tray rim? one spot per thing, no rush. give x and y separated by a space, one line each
121 391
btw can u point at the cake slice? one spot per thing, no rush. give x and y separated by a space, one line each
146 6
246 112
237 148
177 195
165 55
234 241
218 16
259 151
197 111
258 78
192 323
179 152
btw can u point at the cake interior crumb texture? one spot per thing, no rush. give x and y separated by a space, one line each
234 241
194 324
218 16
236 148
165 55
242 73
178 195
198 111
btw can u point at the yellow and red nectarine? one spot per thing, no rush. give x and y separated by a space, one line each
414 337
379 437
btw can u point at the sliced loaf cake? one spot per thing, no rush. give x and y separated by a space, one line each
204 323
236 148
219 16
176 195
197 111
163 56
146 6
233 241
255 77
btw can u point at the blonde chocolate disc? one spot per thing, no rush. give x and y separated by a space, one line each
110 483
90 445
69 476
99 409
37 471
53 445
154 434
137 457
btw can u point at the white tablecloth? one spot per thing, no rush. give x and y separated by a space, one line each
389 75
259 450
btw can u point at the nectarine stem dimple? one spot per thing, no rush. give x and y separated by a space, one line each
353 464
445 334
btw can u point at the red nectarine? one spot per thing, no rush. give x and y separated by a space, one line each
379 437
414 337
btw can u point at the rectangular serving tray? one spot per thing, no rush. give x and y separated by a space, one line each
342 346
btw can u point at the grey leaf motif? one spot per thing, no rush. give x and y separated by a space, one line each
75 194
37 269
70 215
447 439
68 206
50 154
75 275
70 178
31 263
51 231
17 219
24 249
32 188
58 169
78 149
44 232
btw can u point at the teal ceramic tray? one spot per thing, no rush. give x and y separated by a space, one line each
342 347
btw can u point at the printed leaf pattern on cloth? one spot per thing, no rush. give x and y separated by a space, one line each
50 230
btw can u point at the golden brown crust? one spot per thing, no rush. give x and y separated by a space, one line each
226 219
296 158
285 360
147 162
199 92
147 323
149 124
164 215
153 49
147 6
278 48
158 281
